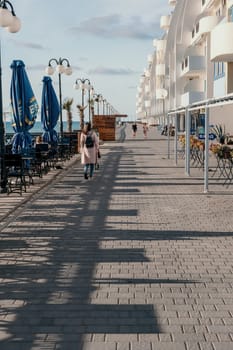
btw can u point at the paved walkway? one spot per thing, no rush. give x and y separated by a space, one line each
136 259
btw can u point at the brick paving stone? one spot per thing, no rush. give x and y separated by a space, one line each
123 346
169 346
223 346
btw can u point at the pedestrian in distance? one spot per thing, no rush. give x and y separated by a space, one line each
89 146
145 130
134 129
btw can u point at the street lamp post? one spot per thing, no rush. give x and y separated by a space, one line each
98 98
104 104
12 23
84 84
60 68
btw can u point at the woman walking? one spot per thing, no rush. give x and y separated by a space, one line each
89 143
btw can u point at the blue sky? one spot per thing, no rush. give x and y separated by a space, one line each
105 41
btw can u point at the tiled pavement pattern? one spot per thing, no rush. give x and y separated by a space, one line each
136 259
9 203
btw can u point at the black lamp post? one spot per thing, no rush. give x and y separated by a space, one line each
60 68
84 84
12 23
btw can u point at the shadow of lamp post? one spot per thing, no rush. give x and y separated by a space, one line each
12 24
62 66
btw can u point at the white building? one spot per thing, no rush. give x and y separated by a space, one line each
193 62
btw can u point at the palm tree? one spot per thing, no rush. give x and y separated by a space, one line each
92 106
67 106
81 115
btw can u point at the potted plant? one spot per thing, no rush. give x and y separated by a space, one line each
219 131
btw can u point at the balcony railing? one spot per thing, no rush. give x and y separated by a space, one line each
193 66
160 70
191 97
172 2
165 22
204 26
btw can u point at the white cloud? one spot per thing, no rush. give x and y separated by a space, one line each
29 45
117 26
111 71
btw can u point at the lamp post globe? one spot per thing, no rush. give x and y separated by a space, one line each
15 25
49 70
68 70
6 17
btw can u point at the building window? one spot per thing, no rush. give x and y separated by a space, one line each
219 70
231 14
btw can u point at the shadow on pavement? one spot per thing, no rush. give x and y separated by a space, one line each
51 278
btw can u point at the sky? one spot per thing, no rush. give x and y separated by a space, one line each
105 41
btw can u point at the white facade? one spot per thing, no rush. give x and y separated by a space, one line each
193 61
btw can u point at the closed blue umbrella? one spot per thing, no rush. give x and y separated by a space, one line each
49 111
24 107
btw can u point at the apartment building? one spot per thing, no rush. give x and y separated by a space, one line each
192 62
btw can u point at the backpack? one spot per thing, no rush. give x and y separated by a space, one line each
89 143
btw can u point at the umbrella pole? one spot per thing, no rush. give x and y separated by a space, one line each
2 136
60 99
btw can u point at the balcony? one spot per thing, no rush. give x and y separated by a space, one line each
146 73
150 58
140 100
160 45
160 70
165 22
161 94
222 50
193 66
142 79
204 26
172 2
191 97
147 89
206 4
139 88
194 85
147 104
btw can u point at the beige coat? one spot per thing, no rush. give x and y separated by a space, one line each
89 155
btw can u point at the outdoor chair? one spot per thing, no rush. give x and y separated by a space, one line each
15 173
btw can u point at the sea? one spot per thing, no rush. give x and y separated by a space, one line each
38 129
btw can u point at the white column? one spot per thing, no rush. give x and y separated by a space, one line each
175 140
206 163
187 141
168 137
